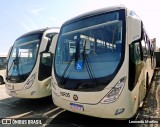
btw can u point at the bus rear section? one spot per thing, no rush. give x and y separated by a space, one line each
29 64
102 64
3 61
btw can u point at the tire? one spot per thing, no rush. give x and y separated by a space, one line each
1 80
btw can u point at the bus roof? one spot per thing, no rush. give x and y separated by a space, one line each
37 31
95 12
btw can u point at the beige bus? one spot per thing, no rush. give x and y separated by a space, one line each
29 64
3 62
103 64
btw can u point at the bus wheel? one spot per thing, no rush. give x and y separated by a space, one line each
1 80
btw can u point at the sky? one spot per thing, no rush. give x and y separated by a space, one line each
18 17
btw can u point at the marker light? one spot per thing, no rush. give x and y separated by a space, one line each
115 92
30 81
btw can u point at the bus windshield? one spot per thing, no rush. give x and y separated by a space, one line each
90 51
23 56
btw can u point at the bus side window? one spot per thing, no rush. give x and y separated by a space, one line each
135 53
45 66
134 64
145 47
3 62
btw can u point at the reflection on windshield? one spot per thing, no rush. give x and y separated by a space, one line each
103 55
23 55
96 49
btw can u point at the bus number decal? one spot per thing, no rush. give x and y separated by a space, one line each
65 94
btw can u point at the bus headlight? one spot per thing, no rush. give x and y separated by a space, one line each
30 81
115 92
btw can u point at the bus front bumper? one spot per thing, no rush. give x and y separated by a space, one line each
114 110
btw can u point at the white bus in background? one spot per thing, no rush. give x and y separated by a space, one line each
3 63
28 72
102 65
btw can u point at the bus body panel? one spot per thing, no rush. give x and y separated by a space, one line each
33 87
92 103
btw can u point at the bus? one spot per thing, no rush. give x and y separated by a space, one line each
29 65
103 64
3 62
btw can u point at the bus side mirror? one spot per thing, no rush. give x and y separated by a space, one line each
134 29
1 80
87 47
53 44
43 45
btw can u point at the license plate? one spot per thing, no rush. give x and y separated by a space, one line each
76 107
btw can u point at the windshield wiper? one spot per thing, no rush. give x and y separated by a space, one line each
75 57
62 80
88 67
77 52
14 63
